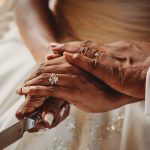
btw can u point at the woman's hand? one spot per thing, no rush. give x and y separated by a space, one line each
76 86
53 111
122 65
48 115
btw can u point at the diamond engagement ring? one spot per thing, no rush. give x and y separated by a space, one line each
53 79
85 47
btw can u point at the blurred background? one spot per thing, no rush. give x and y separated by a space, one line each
6 15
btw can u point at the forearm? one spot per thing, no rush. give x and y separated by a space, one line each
37 25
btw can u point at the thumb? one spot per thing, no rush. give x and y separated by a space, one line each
59 48
85 63
81 61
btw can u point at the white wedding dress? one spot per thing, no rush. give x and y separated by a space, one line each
126 128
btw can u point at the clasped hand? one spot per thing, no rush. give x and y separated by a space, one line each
111 85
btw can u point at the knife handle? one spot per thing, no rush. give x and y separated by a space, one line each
36 115
31 120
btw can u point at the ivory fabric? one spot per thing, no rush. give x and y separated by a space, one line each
147 93
126 128
104 21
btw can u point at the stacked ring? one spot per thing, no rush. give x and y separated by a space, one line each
84 50
84 47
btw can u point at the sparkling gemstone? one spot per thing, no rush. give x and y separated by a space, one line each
53 79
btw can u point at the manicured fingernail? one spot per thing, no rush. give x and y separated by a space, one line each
58 46
49 118
18 90
62 112
25 90
53 44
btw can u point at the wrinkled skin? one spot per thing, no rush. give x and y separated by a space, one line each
51 105
76 86
45 104
122 66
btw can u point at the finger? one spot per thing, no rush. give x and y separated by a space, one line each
64 111
63 80
48 119
56 61
54 44
85 63
64 68
72 47
41 67
43 78
52 56
30 104
61 113
51 109
55 91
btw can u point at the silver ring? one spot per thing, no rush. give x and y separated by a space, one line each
96 58
53 79
84 50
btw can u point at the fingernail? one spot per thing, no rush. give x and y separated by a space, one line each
53 44
58 46
18 90
62 112
25 90
49 118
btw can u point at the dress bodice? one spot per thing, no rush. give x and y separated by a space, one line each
104 21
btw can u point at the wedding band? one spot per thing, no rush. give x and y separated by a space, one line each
84 47
53 79
96 58
86 43
84 50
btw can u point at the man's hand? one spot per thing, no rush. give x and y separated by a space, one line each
76 86
123 65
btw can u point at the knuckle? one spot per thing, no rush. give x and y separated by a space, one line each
31 92
43 77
